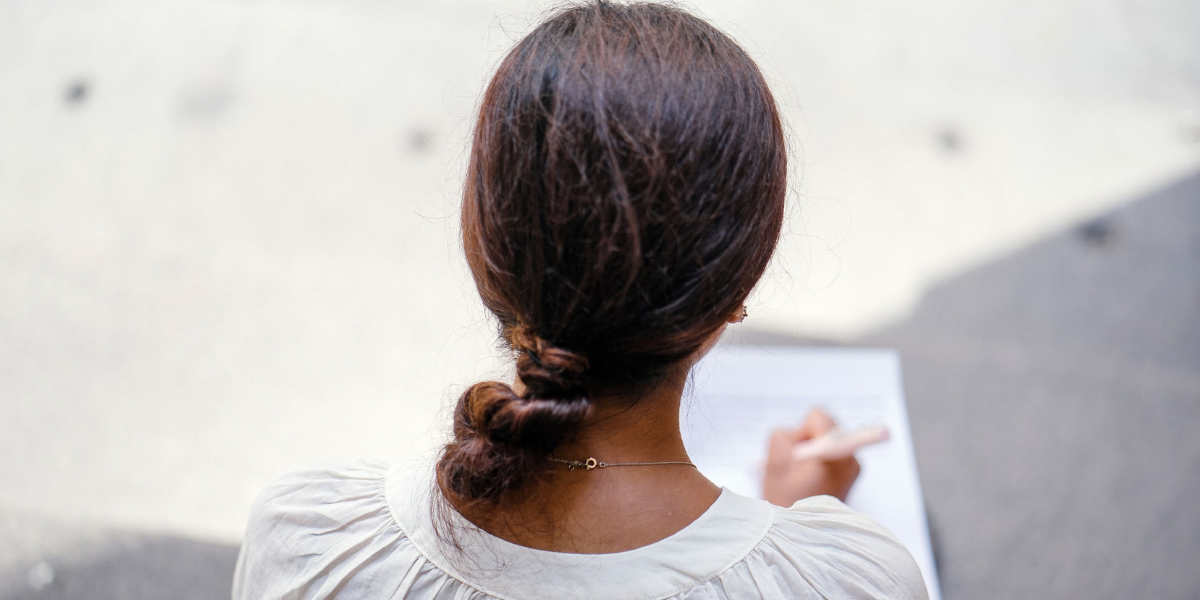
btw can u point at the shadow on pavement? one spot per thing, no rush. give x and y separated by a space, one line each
1055 404
126 566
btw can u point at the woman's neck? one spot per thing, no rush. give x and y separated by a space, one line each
617 508
624 431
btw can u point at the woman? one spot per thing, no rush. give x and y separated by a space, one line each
624 195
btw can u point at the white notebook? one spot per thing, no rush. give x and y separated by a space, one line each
742 393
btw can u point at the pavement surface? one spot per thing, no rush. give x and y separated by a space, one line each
1054 398
60 560
1055 405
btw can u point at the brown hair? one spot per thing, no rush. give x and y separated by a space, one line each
624 195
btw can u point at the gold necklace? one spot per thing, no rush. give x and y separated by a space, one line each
592 463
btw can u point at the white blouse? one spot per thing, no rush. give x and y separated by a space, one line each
367 531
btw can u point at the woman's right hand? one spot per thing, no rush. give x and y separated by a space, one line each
787 480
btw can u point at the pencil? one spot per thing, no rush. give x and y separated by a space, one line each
836 444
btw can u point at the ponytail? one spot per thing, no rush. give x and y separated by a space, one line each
502 439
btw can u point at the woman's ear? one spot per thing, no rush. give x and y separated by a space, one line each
739 316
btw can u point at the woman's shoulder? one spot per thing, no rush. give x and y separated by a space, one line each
822 543
321 498
365 530
315 529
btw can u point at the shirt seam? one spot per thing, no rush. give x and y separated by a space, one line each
387 501
719 572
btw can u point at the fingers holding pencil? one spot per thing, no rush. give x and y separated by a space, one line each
813 459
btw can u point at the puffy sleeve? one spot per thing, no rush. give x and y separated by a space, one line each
839 552
317 532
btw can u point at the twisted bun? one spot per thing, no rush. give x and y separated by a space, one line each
544 370
502 439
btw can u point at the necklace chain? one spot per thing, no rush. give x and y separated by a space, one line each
592 463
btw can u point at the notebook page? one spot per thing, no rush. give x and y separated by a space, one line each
740 394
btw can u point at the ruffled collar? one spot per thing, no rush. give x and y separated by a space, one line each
710 545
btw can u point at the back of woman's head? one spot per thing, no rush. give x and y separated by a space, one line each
625 193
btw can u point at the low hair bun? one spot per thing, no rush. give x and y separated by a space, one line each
501 440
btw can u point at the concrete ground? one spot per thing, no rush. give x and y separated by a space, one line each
56 559
1055 405
227 246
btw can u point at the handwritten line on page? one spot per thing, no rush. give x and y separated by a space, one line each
740 394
